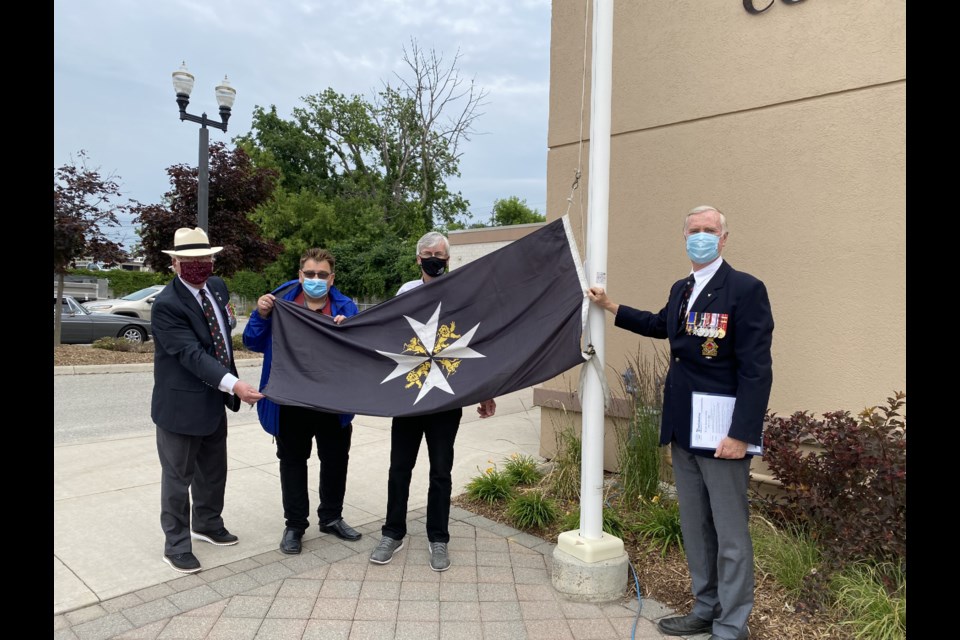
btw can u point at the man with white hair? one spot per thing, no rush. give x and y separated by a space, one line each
194 379
439 429
720 327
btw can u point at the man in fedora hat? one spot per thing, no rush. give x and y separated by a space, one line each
194 379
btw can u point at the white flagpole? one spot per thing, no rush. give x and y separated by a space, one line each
598 204
588 564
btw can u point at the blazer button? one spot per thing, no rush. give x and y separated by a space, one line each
676 359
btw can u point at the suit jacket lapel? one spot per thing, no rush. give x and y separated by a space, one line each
710 292
189 300
673 308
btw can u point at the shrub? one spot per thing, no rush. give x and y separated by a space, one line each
870 608
850 491
491 486
612 522
639 443
247 286
789 556
237 341
121 344
532 510
522 469
658 522
122 282
564 478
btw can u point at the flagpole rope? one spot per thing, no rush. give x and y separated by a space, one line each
575 186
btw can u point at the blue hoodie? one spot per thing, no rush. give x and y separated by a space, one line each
257 336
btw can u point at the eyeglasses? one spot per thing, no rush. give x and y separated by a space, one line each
432 254
315 274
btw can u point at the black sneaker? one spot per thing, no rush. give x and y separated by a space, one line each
183 562
221 538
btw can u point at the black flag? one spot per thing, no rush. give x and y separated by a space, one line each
504 322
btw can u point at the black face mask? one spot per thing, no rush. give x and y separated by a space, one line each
433 267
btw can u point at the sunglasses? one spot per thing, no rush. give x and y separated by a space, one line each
315 274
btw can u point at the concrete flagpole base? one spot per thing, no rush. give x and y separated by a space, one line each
590 570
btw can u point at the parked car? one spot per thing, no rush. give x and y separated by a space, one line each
80 326
135 305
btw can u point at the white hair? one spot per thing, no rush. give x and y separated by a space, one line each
432 238
701 209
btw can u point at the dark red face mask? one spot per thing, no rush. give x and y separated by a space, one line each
196 273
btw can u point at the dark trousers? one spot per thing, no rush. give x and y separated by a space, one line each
191 466
298 428
440 430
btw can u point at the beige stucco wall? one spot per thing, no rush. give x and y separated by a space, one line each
793 123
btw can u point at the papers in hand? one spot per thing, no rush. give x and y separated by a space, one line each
710 421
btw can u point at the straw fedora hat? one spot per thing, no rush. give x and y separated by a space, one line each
189 243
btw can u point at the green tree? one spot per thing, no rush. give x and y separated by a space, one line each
302 160
374 270
513 210
83 205
237 187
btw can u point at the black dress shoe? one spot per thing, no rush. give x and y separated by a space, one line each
687 625
341 529
290 543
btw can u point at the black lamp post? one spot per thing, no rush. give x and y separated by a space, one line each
183 85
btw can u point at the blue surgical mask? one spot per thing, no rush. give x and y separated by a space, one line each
703 248
315 288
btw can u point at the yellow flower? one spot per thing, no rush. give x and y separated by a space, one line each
655 499
489 469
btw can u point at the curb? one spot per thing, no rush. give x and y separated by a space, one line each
139 367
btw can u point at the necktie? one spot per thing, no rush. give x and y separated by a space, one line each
218 343
684 301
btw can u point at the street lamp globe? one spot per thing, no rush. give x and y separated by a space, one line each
183 80
226 94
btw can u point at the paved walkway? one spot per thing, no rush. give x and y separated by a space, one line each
110 581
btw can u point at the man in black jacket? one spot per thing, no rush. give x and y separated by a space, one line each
194 379
720 327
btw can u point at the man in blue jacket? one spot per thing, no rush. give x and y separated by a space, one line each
296 427
720 327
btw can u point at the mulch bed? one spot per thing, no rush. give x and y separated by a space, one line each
666 580
73 355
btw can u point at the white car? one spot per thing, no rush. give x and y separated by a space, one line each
135 305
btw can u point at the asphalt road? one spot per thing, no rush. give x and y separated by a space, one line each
107 406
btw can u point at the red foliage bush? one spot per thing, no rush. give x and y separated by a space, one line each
845 479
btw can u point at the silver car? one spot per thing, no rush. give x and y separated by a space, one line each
136 305
79 326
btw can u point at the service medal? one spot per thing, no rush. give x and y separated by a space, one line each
722 331
709 349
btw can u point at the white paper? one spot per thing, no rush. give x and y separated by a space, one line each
710 421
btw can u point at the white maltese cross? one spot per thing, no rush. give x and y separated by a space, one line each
427 333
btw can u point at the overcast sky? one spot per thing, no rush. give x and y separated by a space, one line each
114 98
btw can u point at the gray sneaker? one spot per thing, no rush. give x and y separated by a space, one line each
439 558
385 550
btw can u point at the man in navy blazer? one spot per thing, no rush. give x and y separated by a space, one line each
195 378
720 327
